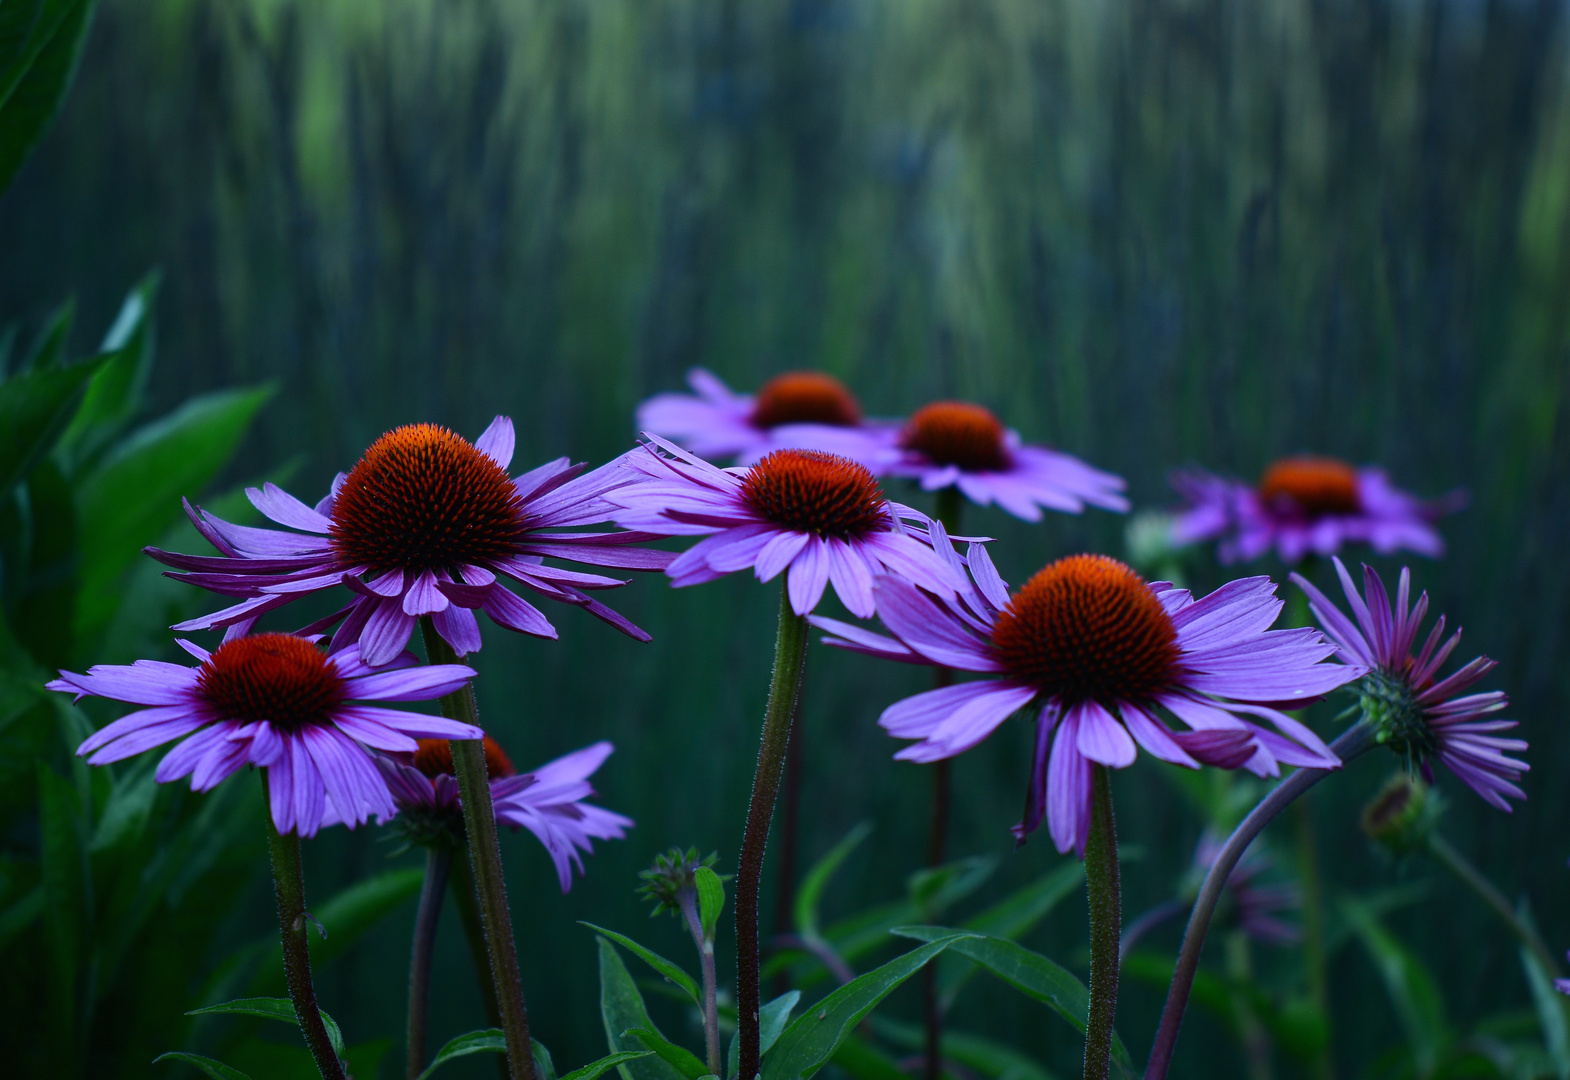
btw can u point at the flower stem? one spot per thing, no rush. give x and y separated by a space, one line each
462 886
1352 742
785 894
289 886
688 898
1105 893
1472 878
438 866
485 861
790 647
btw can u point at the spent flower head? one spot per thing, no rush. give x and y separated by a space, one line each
673 873
1402 817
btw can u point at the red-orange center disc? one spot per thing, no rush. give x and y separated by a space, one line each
957 433
810 491
423 498
434 758
1315 485
275 677
804 397
1087 627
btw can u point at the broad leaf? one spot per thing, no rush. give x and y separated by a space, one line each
36 79
134 494
269 1008
772 1019
679 1058
489 1041
34 409
812 886
592 1070
711 899
216 1069
811 1041
622 1009
665 967
114 394
1030 973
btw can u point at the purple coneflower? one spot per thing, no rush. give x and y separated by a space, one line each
1100 651
1308 505
423 525
277 701
1421 719
548 801
958 444
796 410
816 517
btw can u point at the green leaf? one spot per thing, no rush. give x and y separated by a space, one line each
1028 972
37 75
544 1065
134 494
817 878
20 915
711 899
45 599
349 915
772 1019
682 1060
1411 988
216 1069
811 1041
269 1008
622 1009
48 351
990 1059
665 967
1013 916
66 888
490 1041
1550 1006
592 1070
863 1061
34 409
114 394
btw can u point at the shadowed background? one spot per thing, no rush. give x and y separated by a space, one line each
1151 232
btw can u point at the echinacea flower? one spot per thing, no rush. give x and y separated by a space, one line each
1308 505
956 443
548 801
818 518
1102 654
279 702
797 410
1415 713
423 525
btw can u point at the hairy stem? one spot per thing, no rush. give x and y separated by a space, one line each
790 812
688 899
1105 893
462 887
1352 742
289 886
790 647
485 862
1472 878
438 867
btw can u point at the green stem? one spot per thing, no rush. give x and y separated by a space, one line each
1106 917
485 862
438 866
289 886
1472 878
790 648
688 899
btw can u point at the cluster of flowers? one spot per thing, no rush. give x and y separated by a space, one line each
427 525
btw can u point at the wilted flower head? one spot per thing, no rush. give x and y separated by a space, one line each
1401 818
673 873
423 525
548 801
1102 654
277 701
1416 714
1307 505
818 518
798 410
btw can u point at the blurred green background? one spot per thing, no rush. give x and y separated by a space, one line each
1152 232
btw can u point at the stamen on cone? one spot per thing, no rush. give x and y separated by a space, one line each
957 433
812 491
280 678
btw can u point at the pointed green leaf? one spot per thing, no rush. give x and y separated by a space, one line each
544 1065
33 84
772 1019
621 1009
1011 917
682 1060
489 1041
811 891
216 1069
665 967
711 899
114 394
34 409
812 1040
269 1008
1028 972
988 1058
592 1070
